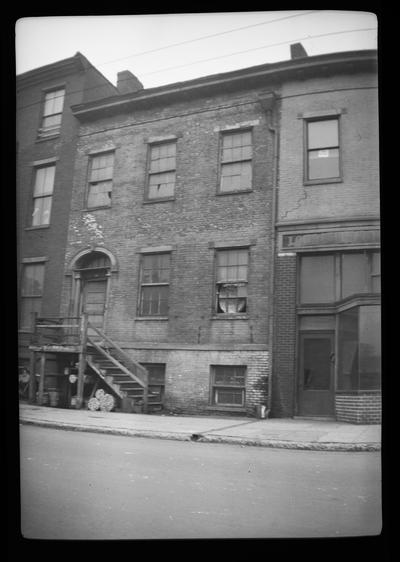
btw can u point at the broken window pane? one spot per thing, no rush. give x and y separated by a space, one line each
162 166
99 194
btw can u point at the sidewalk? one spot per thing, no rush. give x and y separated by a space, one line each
279 433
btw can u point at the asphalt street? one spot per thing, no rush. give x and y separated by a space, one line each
77 485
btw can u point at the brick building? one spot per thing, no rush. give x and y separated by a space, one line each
192 233
46 133
327 268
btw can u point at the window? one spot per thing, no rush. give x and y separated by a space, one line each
156 373
154 285
101 170
52 112
228 385
162 167
31 293
43 195
231 290
236 162
317 279
359 348
326 278
322 153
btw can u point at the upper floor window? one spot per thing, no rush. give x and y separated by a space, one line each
43 195
154 285
31 293
326 278
231 281
161 170
52 112
101 169
322 150
236 161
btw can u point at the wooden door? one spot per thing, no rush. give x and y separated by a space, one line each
316 370
94 301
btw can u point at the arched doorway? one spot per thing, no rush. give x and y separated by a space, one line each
92 274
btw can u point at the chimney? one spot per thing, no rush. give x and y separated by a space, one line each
127 83
297 51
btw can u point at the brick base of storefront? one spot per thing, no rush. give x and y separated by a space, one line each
359 408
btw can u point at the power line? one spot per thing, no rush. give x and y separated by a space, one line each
258 48
208 36
223 56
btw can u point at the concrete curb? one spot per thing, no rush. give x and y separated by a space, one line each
204 438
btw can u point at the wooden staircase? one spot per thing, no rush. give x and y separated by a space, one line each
124 377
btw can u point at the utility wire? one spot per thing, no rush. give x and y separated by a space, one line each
219 57
208 36
257 49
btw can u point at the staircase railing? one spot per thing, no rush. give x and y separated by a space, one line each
56 330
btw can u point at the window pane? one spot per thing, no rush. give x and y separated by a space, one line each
348 350
376 272
41 211
51 122
236 176
323 134
323 164
228 397
32 283
99 194
317 279
54 102
155 268
44 181
155 301
370 347
162 157
161 185
229 376
354 274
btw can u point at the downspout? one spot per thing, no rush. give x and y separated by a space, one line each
268 102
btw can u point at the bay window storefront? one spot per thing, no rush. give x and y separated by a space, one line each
339 335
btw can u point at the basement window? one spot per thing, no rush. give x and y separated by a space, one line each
228 385
231 281
101 168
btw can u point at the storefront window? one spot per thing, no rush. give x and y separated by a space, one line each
317 279
359 352
370 347
354 274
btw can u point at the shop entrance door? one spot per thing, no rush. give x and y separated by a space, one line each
316 369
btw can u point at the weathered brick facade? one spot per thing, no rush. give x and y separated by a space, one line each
81 82
323 217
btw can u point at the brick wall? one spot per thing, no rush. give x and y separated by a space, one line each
284 349
187 377
196 220
358 194
359 408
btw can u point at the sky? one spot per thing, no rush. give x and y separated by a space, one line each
167 48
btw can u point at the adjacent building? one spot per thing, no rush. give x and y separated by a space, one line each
222 236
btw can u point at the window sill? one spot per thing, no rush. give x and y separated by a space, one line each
90 209
151 318
38 227
48 137
226 408
230 317
236 191
160 200
323 181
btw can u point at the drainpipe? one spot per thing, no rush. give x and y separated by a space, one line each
267 102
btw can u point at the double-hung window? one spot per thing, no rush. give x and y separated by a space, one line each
322 150
31 293
154 285
43 195
101 169
228 385
231 280
236 161
52 112
161 170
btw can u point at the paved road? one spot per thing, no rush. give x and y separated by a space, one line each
92 486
